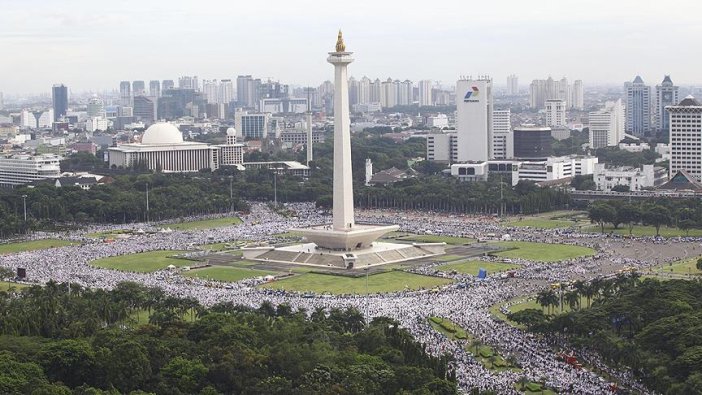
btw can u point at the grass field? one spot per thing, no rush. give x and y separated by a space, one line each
436 239
542 252
642 230
384 282
226 273
204 224
141 317
528 303
541 223
7 285
143 262
472 267
490 358
686 266
11 248
534 388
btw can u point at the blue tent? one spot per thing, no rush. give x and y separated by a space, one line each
482 273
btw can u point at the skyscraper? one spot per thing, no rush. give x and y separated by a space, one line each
138 88
686 137
555 112
666 95
607 125
364 90
154 88
474 118
125 94
167 84
226 91
425 94
638 107
210 88
577 97
59 98
502 146
96 108
512 85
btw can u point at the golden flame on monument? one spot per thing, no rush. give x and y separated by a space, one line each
340 47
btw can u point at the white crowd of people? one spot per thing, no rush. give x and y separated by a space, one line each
465 302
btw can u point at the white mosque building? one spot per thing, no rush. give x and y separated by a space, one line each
162 149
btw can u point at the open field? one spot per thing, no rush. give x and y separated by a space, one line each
643 230
384 282
11 248
541 252
7 285
686 266
472 267
541 223
484 353
204 224
226 273
143 262
451 240
141 317
524 303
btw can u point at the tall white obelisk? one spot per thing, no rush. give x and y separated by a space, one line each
343 179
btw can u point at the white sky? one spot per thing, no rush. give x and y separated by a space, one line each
93 44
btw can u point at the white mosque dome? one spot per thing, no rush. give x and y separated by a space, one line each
162 133
231 132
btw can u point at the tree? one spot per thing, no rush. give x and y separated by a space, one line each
699 264
629 214
184 374
657 215
601 213
620 188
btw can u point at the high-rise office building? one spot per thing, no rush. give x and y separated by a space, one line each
125 94
577 95
607 125
425 93
666 95
474 118
138 88
512 85
364 90
188 82
154 88
247 91
167 84
226 91
502 146
353 91
638 107
59 98
96 108
532 143
210 88
144 109
555 112
686 137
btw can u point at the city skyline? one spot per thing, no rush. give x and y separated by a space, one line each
93 50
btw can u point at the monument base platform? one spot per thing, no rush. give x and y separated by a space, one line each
361 236
379 253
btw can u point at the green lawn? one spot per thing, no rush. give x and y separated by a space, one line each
541 252
529 303
541 223
203 224
143 262
472 267
384 282
226 273
686 266
533 388
490 358
642 230
437 239
11 248
141 317
7 285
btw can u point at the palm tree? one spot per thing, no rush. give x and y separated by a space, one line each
573 300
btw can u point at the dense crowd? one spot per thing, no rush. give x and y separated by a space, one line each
466 302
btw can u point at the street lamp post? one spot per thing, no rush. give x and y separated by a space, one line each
24 203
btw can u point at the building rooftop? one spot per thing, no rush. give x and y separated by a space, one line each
689 101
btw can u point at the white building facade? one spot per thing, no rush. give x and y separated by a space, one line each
607 125
555 112
474 119
502 144
686 137
22 169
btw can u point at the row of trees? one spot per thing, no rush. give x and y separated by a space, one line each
684 214
65 339
648 326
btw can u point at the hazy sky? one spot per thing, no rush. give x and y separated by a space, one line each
93 44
